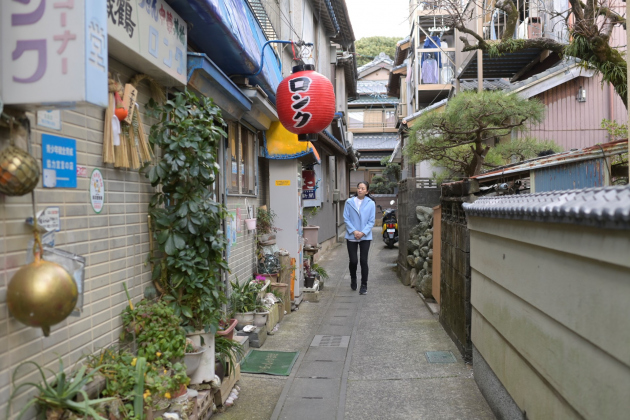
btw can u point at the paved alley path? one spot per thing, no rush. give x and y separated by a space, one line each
379 372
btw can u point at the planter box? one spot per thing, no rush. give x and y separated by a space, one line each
280 308
286 296
272 319
223 393
272 277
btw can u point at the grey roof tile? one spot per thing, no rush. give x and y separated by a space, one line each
604 207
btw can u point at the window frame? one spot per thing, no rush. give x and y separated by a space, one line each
244 157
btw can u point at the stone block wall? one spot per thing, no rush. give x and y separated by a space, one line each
409 197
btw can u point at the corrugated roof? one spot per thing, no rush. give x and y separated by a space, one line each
604 207
379 141
588 153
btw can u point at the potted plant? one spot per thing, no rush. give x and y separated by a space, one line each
186 222
226 328
192 356
261 314
58 397
265 225
228 352
309 275
243 303
320 273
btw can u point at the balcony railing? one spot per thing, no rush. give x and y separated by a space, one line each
373 119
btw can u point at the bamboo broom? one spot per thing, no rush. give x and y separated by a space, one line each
108 137
121 152
133 148
146 154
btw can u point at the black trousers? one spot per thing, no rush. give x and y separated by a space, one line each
364 246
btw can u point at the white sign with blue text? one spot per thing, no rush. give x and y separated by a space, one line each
59 161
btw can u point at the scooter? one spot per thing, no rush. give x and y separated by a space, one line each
390 226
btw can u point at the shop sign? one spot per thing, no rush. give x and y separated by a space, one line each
97 191
53 53
148 35
59 161
309 185
49 119
283 182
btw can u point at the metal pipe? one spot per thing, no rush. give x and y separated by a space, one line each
262 57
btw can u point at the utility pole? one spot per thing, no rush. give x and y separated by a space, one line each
479 52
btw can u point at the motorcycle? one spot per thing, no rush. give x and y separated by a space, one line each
390 226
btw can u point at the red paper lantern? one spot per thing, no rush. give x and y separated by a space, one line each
305 102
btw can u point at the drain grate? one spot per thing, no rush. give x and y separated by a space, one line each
440 357
330 341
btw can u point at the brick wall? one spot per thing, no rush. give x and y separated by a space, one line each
114 243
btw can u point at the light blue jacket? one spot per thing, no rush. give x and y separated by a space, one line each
362 221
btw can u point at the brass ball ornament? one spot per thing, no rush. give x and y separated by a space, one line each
42 294
19 171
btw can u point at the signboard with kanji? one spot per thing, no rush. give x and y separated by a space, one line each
53 53
148 35
59 159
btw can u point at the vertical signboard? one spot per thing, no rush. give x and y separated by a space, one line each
150 34
53 52
59 159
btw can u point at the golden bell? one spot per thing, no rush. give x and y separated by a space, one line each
19 171
42 294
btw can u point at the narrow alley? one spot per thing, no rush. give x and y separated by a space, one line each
382 373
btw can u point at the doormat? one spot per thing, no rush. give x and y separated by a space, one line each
269 362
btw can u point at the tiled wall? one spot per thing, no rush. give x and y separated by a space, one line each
114 243
242 257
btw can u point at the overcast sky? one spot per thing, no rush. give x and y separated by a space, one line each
379 17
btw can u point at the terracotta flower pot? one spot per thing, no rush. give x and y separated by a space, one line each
229 331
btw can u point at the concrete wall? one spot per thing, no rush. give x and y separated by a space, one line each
551 318
115 244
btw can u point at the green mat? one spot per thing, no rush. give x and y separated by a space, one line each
269 362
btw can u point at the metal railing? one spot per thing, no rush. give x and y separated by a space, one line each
263 18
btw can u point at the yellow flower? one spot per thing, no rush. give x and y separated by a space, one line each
146 394
158 354
167 395
133 362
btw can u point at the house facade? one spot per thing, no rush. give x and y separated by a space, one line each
214 49
576 99
372 119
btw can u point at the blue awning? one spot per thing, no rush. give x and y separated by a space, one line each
205 77
229 34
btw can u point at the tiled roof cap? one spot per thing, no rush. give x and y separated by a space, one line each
604 207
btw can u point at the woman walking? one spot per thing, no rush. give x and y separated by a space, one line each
359 213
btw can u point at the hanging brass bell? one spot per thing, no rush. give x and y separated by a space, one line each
42 294
19 171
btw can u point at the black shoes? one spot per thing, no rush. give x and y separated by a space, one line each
363 290
353 284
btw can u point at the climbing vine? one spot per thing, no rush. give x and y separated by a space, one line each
186 221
